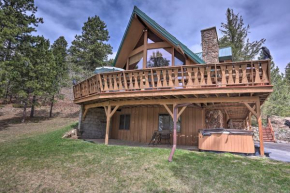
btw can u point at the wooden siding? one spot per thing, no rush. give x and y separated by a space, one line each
144 121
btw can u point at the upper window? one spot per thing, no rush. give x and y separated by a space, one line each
159 57
178 59
124 122
166 123
136 61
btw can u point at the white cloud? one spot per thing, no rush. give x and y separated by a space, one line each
196 48
112 56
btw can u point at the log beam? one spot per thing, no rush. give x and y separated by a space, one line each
168 110
145 49
175 101
251 109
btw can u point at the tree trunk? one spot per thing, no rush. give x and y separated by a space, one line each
51 105
10 100
7 89
24 110
32 106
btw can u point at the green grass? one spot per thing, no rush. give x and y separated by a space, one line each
48 163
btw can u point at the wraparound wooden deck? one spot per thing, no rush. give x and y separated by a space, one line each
223 78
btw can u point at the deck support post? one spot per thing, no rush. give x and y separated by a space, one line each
259 118
175 112
175 115
109 114
258 115
108 111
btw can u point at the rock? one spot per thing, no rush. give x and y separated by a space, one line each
71 134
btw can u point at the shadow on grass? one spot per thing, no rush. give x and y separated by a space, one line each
40 115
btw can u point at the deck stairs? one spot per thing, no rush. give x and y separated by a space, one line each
268 133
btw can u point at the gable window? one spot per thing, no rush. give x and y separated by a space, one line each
159 57
124 122
165 122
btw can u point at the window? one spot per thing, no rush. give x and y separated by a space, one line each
159 57
136 61
166 123
124 122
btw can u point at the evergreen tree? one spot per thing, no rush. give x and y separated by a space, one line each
33 72
157 60
59 49
278 102
90 50
17 21
287 73
235 35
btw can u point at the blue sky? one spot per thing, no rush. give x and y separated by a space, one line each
184 19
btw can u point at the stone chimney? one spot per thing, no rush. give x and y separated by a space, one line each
210 46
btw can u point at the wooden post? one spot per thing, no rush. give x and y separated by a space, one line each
259 118
250 121
127 64
108 112
175 112
172 57
145 49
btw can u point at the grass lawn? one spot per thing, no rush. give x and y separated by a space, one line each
47 163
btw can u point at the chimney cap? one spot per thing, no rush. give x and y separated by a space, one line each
210 28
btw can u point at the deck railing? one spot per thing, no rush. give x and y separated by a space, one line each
250 73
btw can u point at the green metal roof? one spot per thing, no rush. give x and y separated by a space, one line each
162 31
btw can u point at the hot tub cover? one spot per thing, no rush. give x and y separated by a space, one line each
208 132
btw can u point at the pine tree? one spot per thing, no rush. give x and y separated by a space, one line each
287 73
157 60
17 21
235 35
33 73
59 49
278 103
90 50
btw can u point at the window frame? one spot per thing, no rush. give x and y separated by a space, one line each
170 129
125 116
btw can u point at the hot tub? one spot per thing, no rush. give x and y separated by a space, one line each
226 140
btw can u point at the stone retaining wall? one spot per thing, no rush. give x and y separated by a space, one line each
94 125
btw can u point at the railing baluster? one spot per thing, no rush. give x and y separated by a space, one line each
257 70
125 80
195 71
202 79
244 74
264 75
223 72
237 73
152 79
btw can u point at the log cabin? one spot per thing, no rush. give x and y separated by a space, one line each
164 86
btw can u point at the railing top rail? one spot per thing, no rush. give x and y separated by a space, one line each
179 67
